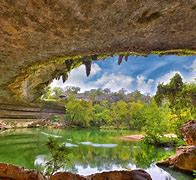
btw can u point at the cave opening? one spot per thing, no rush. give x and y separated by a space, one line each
125 73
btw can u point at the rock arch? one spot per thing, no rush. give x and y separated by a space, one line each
37 37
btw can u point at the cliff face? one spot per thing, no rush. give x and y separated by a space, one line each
36 37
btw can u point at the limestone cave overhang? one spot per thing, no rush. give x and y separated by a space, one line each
44 39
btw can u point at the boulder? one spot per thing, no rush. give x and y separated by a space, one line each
184 160
67 176
189 132
8 171
112 175
121 175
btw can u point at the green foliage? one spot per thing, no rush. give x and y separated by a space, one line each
154 123
194 174
119 112
59 154
170 91
181 98
71 90
173 104
135 120
48 93
57 92
79 112
101 114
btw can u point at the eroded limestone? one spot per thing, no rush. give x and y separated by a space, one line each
36 37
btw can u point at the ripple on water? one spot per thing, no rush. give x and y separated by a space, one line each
51 135
98 145
70 145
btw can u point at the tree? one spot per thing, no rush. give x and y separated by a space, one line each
101 114
107 91
48 93
78 112
57 91
59 156
119 113
181 98
170 91
70 90
135 96
135 121
154 127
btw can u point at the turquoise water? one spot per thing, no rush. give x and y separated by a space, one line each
91 151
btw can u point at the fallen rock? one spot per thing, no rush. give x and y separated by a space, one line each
112 175
121 175
137 137
8 171
67 176
185 159
189 132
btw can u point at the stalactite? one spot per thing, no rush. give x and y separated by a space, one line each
57 78
94 57
64 77
126 58
120 57
87 64
68 64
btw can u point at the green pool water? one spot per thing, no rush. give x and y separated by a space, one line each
91 151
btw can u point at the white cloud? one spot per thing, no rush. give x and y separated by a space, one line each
114 81
192 67
144 85
78 78
166 77
188 77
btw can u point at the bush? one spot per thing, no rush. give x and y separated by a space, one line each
59 154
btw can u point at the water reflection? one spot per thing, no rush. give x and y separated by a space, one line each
91 151
99 145
70 145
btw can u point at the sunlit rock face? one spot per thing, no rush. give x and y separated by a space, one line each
184 160
112 175
8 171
34 34
189 132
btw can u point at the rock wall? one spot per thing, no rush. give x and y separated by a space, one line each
20 115
36 37
189 132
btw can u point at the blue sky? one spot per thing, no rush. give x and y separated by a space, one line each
142 73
